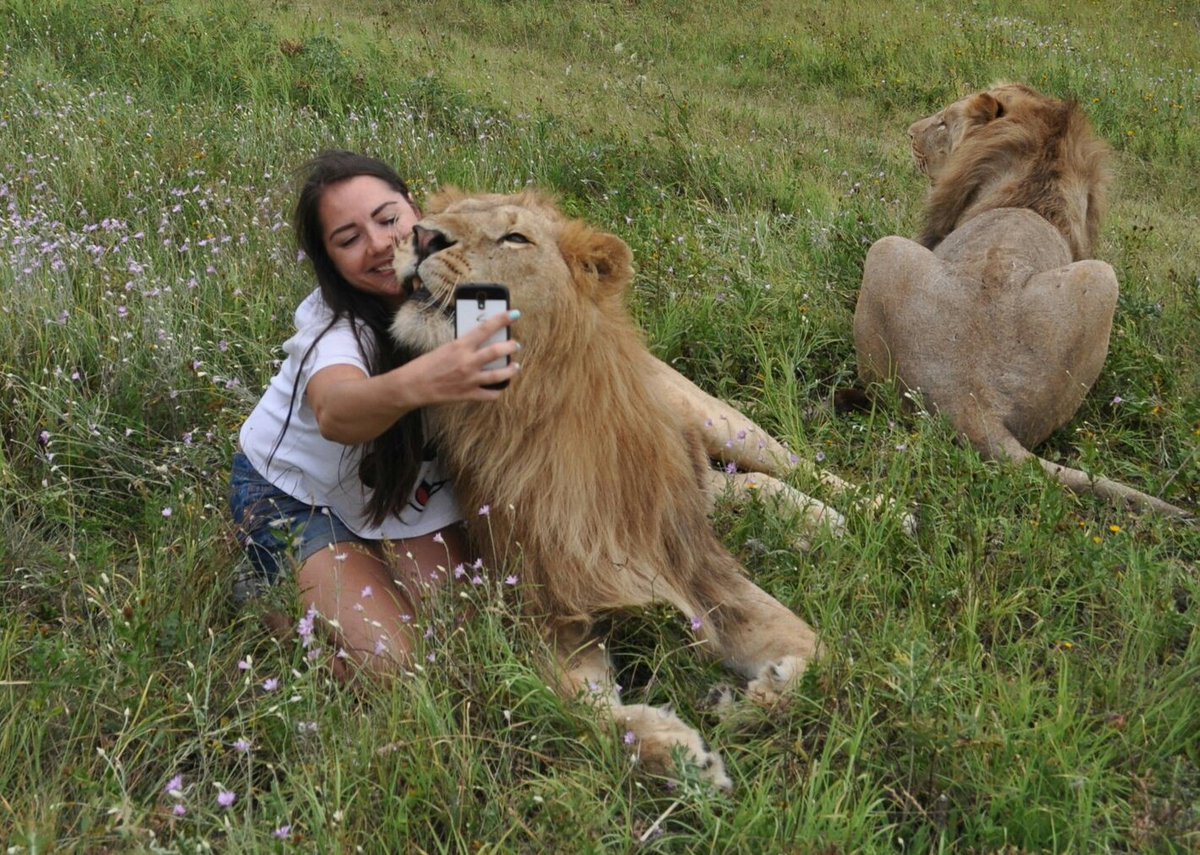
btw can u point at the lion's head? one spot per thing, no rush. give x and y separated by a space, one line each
554 268
935 137
1012 147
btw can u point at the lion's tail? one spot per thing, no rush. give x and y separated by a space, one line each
1078 481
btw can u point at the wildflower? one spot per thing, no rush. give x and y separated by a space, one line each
367 592
283 832
226 798
820 458
437 538
460 571
305 627
476 580
1117 399
380 646
1115 529
178 810
730 468
510 580
166 512
630 737
270 684
242 746
342 654
44 438
696 623
174 787
485 510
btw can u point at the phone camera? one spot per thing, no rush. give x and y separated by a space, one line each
480 298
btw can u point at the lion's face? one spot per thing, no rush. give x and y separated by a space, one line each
935 137
554 268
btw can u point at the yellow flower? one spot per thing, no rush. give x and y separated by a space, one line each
1115 529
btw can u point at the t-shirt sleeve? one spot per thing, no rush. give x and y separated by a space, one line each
318 345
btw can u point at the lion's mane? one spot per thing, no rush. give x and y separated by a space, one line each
1013 147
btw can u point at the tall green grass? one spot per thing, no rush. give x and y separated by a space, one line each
1023 673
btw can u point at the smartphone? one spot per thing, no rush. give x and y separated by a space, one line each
474 303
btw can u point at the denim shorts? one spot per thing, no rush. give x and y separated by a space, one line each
278 532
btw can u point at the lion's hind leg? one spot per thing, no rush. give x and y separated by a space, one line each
814 514
657 736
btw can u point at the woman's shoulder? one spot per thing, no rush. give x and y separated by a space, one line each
312 310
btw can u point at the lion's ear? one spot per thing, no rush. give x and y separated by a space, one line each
443 199
984 107
598 259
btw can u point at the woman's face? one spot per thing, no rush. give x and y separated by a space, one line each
361 220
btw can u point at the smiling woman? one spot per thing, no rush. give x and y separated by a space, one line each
310 491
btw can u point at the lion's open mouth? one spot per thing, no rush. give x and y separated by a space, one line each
421 296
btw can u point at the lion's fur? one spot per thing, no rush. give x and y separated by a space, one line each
1013 147
593 482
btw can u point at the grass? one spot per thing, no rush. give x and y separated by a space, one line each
1020 676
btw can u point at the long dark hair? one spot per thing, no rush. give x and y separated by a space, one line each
390 462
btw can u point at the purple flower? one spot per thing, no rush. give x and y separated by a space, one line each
166 512
305 627
630 737
179 810
485 510
437 538
510 580
270 684
226 798
696 623
244 664
367 592
44 438
242 746
283 832
730 468
174 787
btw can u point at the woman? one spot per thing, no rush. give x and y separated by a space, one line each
333 477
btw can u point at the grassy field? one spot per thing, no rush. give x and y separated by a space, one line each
1023 675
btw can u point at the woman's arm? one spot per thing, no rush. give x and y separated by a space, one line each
352 407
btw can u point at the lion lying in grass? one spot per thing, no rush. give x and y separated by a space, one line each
995 316
595 481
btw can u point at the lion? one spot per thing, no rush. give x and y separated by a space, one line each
595 481
997 316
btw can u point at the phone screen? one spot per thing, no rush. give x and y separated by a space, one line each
474 304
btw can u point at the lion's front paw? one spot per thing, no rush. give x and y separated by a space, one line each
775 679
657 735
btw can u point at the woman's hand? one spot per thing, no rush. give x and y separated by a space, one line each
455 371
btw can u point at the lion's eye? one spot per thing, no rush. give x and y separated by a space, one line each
515 237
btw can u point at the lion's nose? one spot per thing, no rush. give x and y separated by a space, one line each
428 241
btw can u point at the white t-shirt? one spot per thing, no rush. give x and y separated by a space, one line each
315 470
